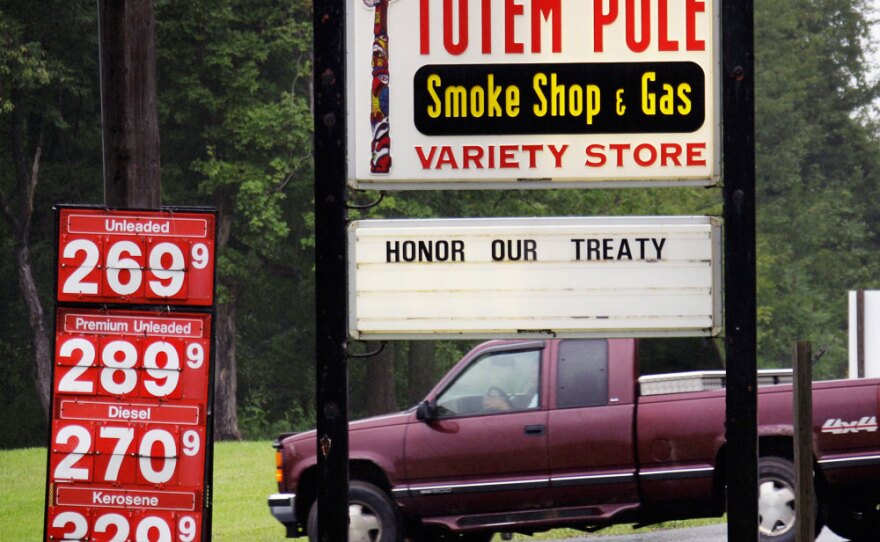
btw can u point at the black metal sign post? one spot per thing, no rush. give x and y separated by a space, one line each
737 23
330 269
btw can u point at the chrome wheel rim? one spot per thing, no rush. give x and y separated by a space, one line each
776 514
364 525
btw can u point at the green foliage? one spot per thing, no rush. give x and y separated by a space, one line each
818 166
236 128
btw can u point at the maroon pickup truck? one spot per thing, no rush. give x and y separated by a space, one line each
524 436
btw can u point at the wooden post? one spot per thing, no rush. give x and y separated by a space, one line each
129 108
803 445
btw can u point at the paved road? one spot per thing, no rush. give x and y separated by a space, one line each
711 533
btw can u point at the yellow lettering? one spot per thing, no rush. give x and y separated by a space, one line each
649 101
456 101
511 98
477 104
540 108
684 91
593 102
436 109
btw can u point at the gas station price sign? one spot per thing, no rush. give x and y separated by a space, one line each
135 257
129 435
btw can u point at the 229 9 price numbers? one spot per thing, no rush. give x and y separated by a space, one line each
116 527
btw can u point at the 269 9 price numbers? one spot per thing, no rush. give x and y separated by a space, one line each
130 270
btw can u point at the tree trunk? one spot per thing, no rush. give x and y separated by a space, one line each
225 365
19 221
225 378
36 318
420 368
381 393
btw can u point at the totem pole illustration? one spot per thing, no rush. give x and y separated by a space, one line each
380 159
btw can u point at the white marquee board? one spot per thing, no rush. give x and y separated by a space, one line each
553 277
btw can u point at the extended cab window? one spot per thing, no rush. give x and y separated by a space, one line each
582 378
496 382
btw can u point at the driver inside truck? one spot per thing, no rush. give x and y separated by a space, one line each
524 398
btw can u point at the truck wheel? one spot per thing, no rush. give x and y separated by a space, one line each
776 500
372 516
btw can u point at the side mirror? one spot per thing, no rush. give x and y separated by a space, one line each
426 411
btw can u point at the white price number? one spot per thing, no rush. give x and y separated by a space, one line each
118 376
68 469
124 267
148 529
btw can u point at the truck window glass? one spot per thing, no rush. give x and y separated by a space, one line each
496 382
583 373
675 355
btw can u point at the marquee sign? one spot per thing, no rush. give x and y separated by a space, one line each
130 443
135 257
554 277
532 93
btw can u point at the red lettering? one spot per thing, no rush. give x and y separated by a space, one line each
473 154
487 26
638 46
600 20
695 154
455 47
424 28
663 41
507 157
670 152
652 153
533 151
619 148
692 7
557 153
446 158
546 9
511 10
597 152
426 160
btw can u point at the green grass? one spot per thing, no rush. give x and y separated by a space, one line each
243 478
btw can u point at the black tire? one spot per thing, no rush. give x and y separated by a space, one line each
373 517
776 501
854 521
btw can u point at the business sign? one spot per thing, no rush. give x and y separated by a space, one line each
532 93
129 437
130 442
553 277
135 257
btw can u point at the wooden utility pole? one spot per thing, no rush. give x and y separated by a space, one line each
129 104
803 445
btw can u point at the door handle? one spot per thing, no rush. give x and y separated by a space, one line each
537 429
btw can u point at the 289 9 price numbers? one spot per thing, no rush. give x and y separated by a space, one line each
131 366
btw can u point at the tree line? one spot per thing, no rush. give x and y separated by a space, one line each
234 83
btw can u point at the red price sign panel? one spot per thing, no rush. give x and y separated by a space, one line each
127 457
135 257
